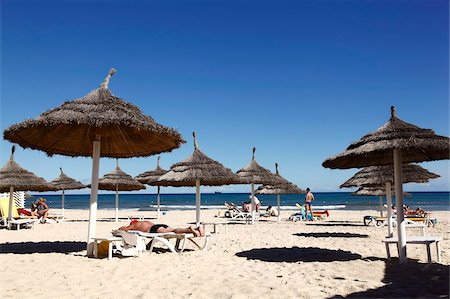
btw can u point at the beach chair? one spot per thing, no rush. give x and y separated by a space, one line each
237 213
131 244
16 221
180 240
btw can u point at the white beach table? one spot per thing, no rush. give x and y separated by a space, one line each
111 241
214 224
427 240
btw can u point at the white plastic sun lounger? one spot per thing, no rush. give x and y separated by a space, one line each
180 240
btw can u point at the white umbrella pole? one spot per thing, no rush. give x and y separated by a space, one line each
158 201
253 202
399 205
381 205
11 191
278 204
62 203
197 202
117 202
389 207
93 198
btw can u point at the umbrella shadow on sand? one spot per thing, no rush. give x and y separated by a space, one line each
42 247
336 224
297 254
331 235
410 280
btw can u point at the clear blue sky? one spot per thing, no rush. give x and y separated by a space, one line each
299 80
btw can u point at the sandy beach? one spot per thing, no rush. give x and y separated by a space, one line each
327 259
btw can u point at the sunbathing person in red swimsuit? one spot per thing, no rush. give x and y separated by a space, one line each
150 227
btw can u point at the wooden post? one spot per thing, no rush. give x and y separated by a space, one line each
278 204
381 205
11 199
253 201
401 231
389 206
197 202
117 202
93 198
158 209
62 203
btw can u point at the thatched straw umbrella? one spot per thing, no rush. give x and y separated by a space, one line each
285 187
150 178
253 173
117 180
379 191
98 125
63 182
13 177
198 170
374 191
396 142
380 175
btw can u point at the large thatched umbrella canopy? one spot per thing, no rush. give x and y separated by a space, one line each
376 148
63 182
253 173
98 124
284 187
378 175
118 180
396 142
15 178
373 191
198 170
151 178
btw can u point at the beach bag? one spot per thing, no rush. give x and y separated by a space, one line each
103 248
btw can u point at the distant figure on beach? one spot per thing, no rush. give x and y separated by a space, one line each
271 211
247 206
41 208
257 202
150 227
309 197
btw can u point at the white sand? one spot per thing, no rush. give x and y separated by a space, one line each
335 257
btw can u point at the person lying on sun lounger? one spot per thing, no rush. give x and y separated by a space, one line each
150 227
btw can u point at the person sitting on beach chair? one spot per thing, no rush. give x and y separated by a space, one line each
150 227
42 208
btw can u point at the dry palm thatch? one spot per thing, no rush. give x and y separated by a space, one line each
416 145
119 180
285 187
255 173
198 167
63 182
98 125
71 128
394 143
378 175
152 176
12 175
374 191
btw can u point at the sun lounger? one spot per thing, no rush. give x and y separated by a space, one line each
237 213
180 240
16 220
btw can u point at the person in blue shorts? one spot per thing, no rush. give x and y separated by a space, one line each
309 197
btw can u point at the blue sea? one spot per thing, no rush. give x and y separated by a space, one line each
429 201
